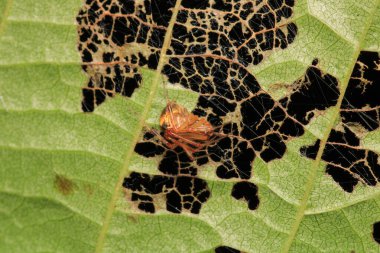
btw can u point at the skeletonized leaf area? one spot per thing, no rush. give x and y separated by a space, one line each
212 47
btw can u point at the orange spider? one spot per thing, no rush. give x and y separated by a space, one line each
184 129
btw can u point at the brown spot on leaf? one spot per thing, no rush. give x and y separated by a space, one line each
64 185
88 189
132 217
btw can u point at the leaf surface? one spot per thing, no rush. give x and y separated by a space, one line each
62 170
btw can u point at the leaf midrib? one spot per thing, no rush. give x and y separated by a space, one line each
136 134
313 173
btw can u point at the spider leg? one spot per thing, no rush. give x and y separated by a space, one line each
163 140
218 131
217 137
171 145
188 150
193 143
220 134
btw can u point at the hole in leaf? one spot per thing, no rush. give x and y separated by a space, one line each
376 232
226 249
347 162
246 191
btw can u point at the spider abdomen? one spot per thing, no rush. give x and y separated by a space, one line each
184 129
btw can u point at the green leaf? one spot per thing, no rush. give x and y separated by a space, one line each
62 170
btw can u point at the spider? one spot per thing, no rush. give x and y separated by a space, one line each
182 128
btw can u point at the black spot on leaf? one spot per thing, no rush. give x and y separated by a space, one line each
64 185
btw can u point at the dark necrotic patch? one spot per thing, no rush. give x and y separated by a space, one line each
318 91
148 149
361 103
105 31
121 30
264 130
311 151
275 147
145 202
348 163
342 177
176 162
203 58
181 192
64 185
195 4
88 102
142 183
226 249
246 191
253 111
86 56
376 232
146 207
100 96
130 84
236 158
160 10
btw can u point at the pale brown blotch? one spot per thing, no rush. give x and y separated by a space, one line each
64 185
